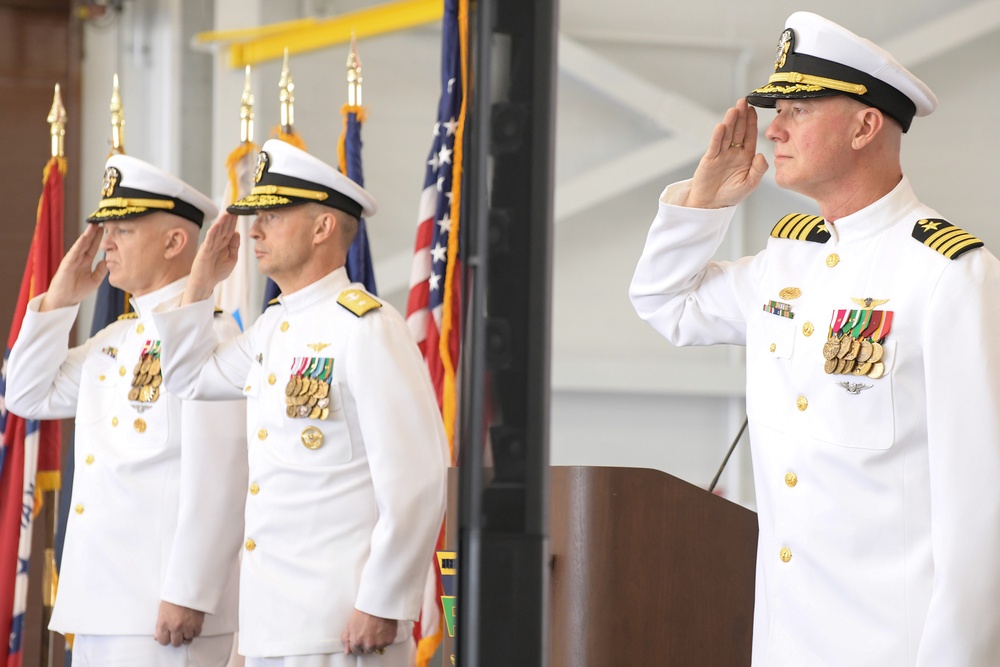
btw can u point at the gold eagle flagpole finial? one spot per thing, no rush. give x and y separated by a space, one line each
287 97
246 111
353 74
57 125
117 119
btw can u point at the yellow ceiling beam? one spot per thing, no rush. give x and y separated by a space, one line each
242 34
251 46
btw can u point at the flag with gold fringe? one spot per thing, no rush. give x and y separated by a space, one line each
359 258
29 454
433 310
234 294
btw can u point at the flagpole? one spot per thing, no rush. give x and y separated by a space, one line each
50 493
117 119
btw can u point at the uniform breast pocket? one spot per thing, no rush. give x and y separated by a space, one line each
779 336
856 411
98 383
324 437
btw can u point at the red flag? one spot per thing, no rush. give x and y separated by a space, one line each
28 446
433 310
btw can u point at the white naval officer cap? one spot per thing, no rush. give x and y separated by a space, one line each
288 176
817 58
133 188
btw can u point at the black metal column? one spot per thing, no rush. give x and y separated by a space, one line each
503 524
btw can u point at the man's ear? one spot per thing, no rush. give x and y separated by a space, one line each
871 122
175 240
324 225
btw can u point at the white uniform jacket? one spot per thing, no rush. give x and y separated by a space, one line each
878 499
342 512
157 498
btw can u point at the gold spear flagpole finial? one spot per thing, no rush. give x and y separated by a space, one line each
246 111
57 124
117 119
353 74
287 97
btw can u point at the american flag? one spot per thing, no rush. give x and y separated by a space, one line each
29 449
433 311
433 308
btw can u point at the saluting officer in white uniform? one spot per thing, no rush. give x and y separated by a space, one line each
152 542
345 441
873 366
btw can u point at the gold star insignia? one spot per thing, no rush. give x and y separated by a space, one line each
822 227
930 226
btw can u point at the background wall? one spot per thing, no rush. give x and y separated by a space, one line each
641 85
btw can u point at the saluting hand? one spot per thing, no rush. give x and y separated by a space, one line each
215 259
77 276
731 168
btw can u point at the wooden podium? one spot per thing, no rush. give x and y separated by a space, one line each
646 570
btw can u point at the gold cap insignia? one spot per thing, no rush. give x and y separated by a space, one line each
262 163
111 178
784 46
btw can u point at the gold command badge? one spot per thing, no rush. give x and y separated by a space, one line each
312 437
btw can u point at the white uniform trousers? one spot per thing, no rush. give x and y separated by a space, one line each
144 651
400 654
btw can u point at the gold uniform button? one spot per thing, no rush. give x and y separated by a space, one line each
785 554
89 459
284 326
791 479
100 378
250 545
139 329
254 489
773 347
801 403
114 421
139 425
271 379
246 388
808 329
262 434
78 509
121 371
832 260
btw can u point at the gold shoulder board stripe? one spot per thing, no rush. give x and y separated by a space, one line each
944 237
219 311
128 316
273 302
358 302
801 227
